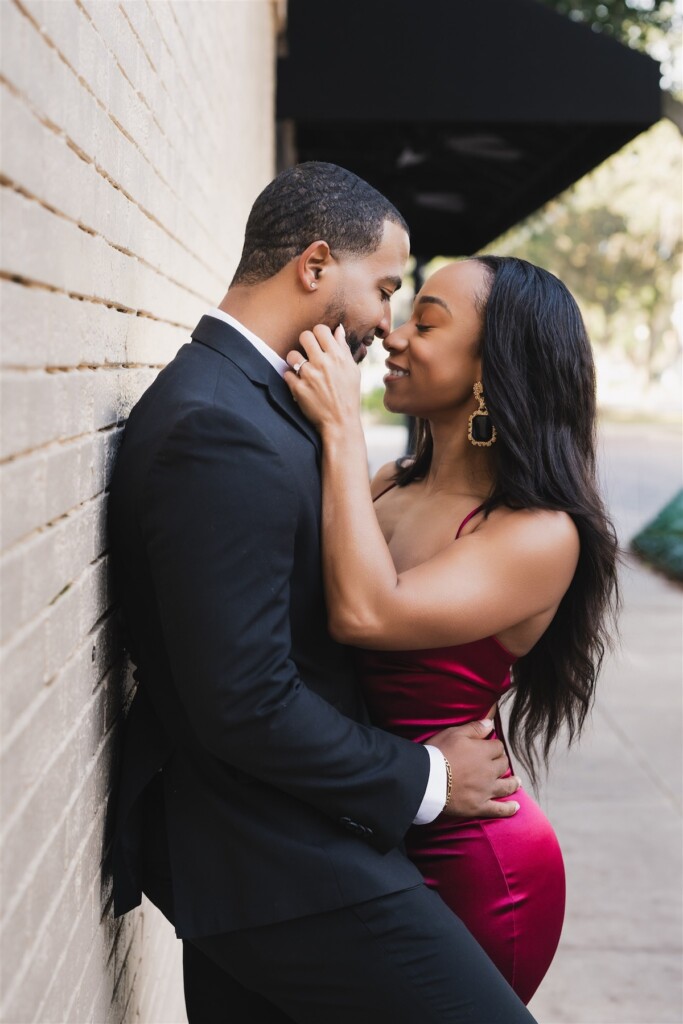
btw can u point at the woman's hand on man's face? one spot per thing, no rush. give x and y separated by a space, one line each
324 379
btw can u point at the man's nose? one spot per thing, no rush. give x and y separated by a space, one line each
383 328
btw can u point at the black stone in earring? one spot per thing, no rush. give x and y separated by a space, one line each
480 430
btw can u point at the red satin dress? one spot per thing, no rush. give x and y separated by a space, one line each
504 878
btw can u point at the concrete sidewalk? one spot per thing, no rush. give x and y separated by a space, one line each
615 803
615 800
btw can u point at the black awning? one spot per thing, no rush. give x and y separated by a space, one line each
467 114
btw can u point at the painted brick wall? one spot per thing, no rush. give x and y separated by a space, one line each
134 138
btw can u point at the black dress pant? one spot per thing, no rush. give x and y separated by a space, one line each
399 959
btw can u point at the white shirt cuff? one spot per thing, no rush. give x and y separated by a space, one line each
435 795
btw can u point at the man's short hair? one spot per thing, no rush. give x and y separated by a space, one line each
311 201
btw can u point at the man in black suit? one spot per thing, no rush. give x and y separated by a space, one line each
258 808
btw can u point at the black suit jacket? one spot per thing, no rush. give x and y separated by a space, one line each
280 800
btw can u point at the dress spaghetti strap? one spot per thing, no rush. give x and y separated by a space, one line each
470 515
389 488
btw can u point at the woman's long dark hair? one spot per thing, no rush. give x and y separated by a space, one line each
539 385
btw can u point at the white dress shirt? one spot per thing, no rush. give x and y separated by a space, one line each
435 795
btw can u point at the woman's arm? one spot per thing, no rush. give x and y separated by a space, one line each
517 567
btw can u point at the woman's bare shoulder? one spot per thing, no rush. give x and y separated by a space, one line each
384 476
546 535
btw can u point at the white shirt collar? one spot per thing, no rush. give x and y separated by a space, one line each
266 351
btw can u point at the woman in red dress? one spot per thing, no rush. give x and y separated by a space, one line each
484 565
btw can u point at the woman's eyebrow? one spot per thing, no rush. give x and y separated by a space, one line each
435 300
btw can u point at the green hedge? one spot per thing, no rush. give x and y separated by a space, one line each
661 542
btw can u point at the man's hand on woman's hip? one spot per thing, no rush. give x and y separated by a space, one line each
478 766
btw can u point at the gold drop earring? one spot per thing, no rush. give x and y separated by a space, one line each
480 430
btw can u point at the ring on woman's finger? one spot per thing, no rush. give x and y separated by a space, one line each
297 366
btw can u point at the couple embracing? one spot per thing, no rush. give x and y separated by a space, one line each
315 787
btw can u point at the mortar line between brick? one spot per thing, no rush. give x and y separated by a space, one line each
23 720
122 70
54 906
36 620
79 78
54 370
59 443
41 531
206 61
92 892
104 979
143 48
68 1016
18 810
110 957
207 124
86 515
121 976
27 282
48 525
94 760
9 460
196 71
14 817
156 70
13 186
46 528
210 123
86 158
141 96
16 727
207 58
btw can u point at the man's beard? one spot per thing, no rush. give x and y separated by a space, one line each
336 314
357 346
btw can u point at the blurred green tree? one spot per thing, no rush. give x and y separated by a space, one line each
616 240
628 20
649 25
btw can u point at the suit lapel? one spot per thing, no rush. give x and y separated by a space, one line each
223 338
280 396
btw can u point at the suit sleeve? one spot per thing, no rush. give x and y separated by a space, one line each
220 517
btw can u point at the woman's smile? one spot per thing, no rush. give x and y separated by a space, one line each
395 372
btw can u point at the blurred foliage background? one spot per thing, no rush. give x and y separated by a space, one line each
615 238
661 542
649 25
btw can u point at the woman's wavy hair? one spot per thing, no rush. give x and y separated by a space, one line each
539 385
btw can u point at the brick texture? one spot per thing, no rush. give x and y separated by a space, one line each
135 135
